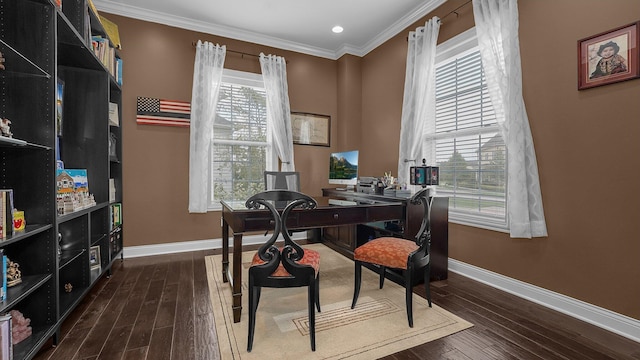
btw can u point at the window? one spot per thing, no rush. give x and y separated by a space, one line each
468 145
240 151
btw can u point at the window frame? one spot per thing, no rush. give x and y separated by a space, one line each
253 80
457 46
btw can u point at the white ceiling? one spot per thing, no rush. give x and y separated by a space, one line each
297 25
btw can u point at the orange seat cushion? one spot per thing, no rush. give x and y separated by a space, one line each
386 251
311 258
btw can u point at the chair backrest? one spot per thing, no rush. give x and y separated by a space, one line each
291 251
423 236
282 180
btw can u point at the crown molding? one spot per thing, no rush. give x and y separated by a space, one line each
118 8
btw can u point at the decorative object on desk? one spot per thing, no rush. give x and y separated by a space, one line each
5 128
353 334
68 287
94 257
151 111
609 57
19 222
20 327
6 348
14 275
311 129
424 175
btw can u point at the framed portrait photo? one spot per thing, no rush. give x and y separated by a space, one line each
609 57
311 129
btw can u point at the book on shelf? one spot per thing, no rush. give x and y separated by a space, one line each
59 105
114 116
93 7
6 212
6 347
112 31
3 288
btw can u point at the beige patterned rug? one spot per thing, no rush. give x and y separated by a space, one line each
375 328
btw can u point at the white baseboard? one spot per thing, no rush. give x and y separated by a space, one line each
606 319
178 247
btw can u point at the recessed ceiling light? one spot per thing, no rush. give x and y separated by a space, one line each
337 29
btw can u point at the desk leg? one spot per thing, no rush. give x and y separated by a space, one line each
225 250
237 277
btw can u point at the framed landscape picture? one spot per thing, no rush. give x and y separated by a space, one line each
609 57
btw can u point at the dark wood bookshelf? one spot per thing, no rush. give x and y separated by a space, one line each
42 44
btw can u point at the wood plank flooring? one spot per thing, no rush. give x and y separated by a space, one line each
157 308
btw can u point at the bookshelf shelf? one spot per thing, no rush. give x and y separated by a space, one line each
44 45
28 285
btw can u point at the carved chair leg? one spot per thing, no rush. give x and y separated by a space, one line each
427 286
381 271
408 285
312 314
356 285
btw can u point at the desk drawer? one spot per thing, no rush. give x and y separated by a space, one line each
333 216
385 213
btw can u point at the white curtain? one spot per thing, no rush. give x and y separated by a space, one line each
497 31
207 76
274 73
418 104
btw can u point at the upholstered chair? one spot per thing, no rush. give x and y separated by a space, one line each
287 266
407 256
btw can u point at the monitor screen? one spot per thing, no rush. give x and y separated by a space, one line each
343 168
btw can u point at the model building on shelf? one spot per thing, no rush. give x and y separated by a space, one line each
73 191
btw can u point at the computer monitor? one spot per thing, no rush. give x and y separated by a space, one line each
343 168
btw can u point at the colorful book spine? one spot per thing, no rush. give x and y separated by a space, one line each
3 295
6 213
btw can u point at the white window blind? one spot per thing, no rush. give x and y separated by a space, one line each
468 145
240 149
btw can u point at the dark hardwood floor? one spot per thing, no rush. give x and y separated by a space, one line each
158 308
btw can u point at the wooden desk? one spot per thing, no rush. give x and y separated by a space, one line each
239 219
345 239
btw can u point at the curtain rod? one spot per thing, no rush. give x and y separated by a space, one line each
195 43
455 11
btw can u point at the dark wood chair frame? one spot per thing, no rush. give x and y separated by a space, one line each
417 260
300 275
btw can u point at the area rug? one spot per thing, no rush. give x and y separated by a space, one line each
377 327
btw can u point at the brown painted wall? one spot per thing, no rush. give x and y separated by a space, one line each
159 63
592 249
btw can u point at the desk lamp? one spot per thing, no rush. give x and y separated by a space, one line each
424 175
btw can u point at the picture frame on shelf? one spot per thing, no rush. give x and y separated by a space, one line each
311 129
94 257
609 57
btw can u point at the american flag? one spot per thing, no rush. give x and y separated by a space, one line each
163 112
